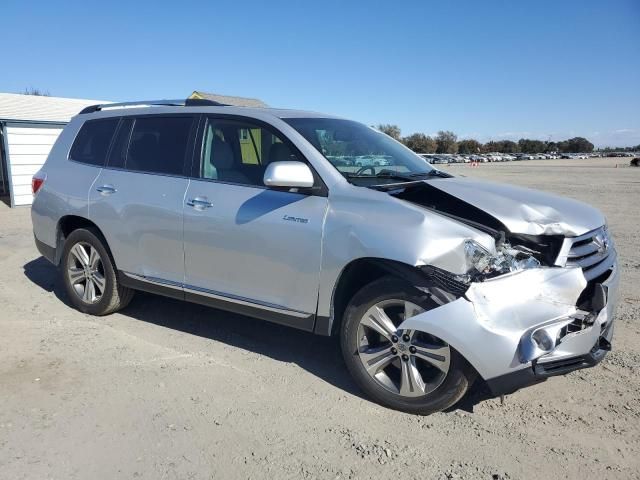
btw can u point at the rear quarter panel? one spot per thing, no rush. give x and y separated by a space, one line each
65 192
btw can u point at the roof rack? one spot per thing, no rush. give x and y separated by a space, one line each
189 102
203 102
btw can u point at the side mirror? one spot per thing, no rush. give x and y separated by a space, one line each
288 174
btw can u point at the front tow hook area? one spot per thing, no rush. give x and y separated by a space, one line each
539 372
604 344
566 365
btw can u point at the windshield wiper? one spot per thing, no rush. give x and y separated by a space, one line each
431 173
384 174
406 177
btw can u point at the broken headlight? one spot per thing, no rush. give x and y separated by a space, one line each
484 264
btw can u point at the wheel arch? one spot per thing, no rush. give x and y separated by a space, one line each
67 224
355 275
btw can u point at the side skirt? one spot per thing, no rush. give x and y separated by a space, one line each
289 318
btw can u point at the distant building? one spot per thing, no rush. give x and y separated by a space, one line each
29 126
229 100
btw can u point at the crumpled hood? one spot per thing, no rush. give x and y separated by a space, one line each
523 210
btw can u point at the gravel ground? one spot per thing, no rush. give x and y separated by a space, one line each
169 390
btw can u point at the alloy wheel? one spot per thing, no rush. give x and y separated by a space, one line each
85 272
409 363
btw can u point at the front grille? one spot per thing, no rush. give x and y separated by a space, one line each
593 252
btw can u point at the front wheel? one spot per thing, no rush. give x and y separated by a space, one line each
406 370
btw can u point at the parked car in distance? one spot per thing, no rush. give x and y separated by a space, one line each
620 154
371 160
440 159
430 281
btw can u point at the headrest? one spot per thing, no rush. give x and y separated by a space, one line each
221 155
279 152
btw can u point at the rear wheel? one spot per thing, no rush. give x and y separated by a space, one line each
407 370
89 275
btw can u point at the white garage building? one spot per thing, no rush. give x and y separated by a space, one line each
29 125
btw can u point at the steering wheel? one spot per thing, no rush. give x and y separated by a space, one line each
364 169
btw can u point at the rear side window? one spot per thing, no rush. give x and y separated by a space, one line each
92 142
118 154
159 144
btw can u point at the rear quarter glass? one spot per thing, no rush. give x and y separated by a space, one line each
92 143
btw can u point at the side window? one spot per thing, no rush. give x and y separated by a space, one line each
158 144
239 152
118 155
92 142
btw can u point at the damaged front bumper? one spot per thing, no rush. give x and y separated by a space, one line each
521 328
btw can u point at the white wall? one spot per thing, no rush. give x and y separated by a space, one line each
28 147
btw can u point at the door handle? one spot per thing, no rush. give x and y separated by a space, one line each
199 203
106 189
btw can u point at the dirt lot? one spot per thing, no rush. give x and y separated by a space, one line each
169 390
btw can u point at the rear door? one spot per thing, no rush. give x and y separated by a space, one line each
138 199
246 244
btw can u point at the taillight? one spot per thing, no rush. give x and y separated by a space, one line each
37 181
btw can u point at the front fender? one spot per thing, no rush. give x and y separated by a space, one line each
365 223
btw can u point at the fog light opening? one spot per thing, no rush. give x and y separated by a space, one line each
543 340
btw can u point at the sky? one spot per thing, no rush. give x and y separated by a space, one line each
489 70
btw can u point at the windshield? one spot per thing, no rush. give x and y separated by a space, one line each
360 153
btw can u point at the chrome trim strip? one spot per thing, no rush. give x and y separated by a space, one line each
218 295
606 264
586 236
561 261
583 250
154 280
588 261
568 253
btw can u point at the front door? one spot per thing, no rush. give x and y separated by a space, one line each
245 244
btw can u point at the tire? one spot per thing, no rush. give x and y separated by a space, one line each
79 268
441 391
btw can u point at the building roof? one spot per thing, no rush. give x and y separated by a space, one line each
229 100
15 106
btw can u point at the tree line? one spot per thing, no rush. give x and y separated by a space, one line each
447 142
620 149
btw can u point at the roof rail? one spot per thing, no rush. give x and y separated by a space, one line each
189 102
203 102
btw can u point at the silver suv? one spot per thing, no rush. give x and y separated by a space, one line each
430 281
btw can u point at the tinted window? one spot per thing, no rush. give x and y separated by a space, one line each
239 152
159 144
118 154
92 142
